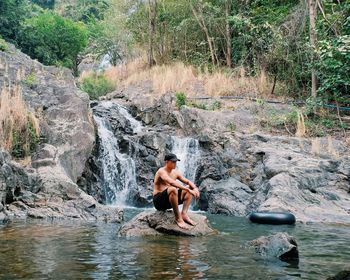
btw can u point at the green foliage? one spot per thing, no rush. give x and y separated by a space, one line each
24 142
180 99
216 105
96 85
46 4
85 10
333 69
31 80
232 126
3 45
12 13
53 40
316 125
313 104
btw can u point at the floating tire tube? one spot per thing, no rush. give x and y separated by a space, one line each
272 218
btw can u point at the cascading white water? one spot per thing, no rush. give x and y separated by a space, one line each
119 174
187 150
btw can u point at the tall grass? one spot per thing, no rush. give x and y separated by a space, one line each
185 78
19 128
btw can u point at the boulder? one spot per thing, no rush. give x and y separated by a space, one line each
162 222
279 245
229 197
342 275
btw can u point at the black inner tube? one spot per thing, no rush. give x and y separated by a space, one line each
272 218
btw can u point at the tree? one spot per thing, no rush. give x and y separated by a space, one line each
197 10
313 40
228 8
46 4
152 14
12 13
54 40
111 35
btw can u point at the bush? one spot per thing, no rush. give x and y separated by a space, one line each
96 85
12 13
53 40
180 99
3 45
24 141
31 80
334 68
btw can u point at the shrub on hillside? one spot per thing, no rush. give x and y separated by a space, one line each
96 85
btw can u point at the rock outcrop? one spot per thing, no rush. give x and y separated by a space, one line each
47 187
279 245
239 172
151 223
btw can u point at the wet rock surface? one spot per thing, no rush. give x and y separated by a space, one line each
342 275
151 223
279 245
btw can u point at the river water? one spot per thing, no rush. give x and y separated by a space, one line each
70 250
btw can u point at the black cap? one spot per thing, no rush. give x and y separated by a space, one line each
171 157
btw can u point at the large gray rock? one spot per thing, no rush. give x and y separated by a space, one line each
342 275
229 197
254 172
47 188
279 245
163 222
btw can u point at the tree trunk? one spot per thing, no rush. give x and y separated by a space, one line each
199 17
313 41
228 34
151 30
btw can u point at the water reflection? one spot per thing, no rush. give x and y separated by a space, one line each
172 258
93 251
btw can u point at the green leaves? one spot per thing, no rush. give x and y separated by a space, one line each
334 67
53 40
96 85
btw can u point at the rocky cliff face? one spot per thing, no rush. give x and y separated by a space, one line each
239 172
47 188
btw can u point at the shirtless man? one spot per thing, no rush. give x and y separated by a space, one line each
168 193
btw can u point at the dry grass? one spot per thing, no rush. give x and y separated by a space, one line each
15 117
330 149
327 148
315 146
301 129
180 77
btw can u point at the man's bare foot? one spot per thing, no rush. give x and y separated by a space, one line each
182 224
188 220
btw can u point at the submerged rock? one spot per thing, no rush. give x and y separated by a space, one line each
162 222
280 245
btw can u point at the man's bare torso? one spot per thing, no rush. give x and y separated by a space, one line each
159 184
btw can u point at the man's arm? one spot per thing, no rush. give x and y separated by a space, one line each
166 178
186 181
192 186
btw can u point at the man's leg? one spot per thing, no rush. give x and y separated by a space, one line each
173 199
187 199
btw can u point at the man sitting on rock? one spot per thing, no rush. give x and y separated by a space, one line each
168 193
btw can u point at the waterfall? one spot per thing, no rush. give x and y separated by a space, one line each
119 171
187 150
105 62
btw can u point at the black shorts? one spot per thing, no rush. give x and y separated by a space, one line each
161 200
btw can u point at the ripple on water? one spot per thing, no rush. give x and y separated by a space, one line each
39 250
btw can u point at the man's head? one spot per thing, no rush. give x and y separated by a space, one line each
170 160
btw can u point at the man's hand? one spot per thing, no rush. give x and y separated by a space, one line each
194 192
